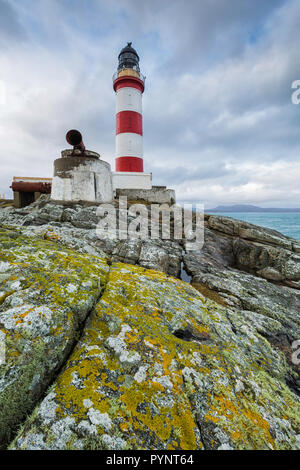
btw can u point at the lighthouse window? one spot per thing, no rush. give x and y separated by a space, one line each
129 99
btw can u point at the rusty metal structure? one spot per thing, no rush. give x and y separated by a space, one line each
28 189
74 138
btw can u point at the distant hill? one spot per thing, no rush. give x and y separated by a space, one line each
249 208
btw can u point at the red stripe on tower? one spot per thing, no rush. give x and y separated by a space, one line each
123 82
130 164
129 121
129 87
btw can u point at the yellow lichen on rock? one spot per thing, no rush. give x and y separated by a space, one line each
158 367
46 293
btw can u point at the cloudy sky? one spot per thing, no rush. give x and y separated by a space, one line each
219 123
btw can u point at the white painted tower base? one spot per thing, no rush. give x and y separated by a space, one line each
81 178
131 180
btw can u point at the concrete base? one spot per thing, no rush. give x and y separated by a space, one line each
131 180
156 195
28 189
80 177
23 199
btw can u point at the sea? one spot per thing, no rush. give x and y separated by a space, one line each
287 223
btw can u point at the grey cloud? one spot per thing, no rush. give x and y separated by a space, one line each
11 29
186 173
199 33
217 93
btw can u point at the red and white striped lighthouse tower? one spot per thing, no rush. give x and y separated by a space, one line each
129 86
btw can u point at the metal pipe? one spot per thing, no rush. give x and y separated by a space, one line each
28 187
74 138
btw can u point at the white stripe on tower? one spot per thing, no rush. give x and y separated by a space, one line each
129 99
129 144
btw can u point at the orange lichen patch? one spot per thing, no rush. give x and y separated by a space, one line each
124 427
23 315
52 236
245 425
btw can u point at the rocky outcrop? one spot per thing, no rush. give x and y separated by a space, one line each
229 243
46 294
75 227
136 358
159 367
256 277
259 250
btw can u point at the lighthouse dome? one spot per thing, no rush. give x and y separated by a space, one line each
128 58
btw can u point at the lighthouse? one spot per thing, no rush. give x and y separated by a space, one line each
80 175
129 84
